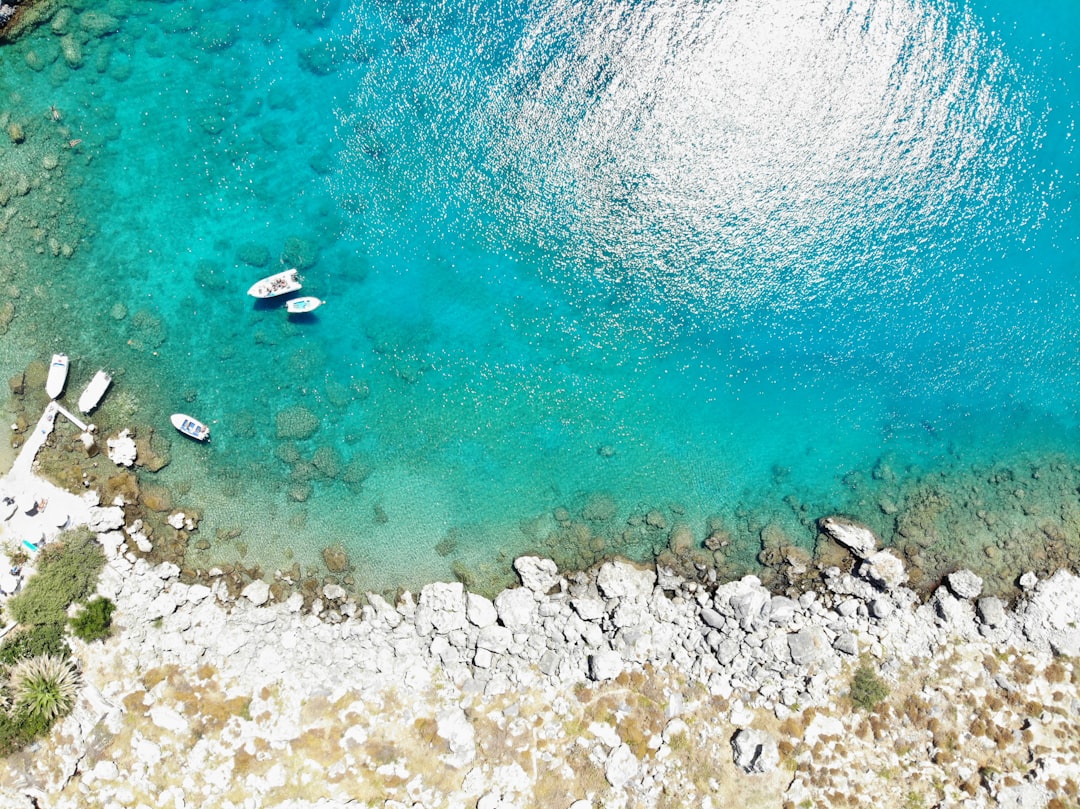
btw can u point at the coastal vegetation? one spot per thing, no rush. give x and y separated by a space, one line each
40 677
867 689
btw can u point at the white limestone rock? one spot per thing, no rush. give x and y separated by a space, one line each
537 574
884 569
122 450
1051 616
516 608
806 646
453 726
755 751
441 608
257 592
964 584
857 538
168 719
480 611
621 766
991 611
588 609
109 518
749 601
605 664
619 579
334 592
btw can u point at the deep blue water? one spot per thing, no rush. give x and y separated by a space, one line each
694 257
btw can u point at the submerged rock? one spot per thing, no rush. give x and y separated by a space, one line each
296 423
335 559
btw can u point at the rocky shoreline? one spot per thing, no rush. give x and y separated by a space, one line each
620 686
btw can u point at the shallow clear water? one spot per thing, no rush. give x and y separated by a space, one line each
708 259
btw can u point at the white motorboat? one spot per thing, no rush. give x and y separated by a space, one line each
301 306
193 428
273 285
93 392
58 371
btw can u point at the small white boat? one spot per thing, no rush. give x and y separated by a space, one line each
273 285
301 306
58 371
91 396
193 428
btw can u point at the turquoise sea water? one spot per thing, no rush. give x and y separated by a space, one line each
731 260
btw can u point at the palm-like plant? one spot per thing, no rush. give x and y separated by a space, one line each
45 685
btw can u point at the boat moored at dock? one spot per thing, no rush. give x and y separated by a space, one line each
94 391
58 371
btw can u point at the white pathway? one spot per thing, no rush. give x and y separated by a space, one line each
32 509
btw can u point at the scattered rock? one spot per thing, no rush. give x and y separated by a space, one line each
964 584
755 751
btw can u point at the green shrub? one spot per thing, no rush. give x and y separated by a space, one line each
94 622
44 686
18 729
32 641
867 689
67 571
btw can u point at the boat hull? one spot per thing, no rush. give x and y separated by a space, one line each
91 396
301 306
58 371
274 285
192 428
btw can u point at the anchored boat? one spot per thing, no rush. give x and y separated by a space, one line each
58 371
192 428
273 285
91 396
301 306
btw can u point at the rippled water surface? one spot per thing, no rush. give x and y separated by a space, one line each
738 264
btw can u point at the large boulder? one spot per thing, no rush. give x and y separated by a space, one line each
755 751
257 592
441 608
884 569
749 600
621 766
806 646
1051 616
538 575
964 584
605 664
619 579
857 538
516 608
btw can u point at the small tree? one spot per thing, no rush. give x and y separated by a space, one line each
94 622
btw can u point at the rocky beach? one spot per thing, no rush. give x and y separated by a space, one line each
621 686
